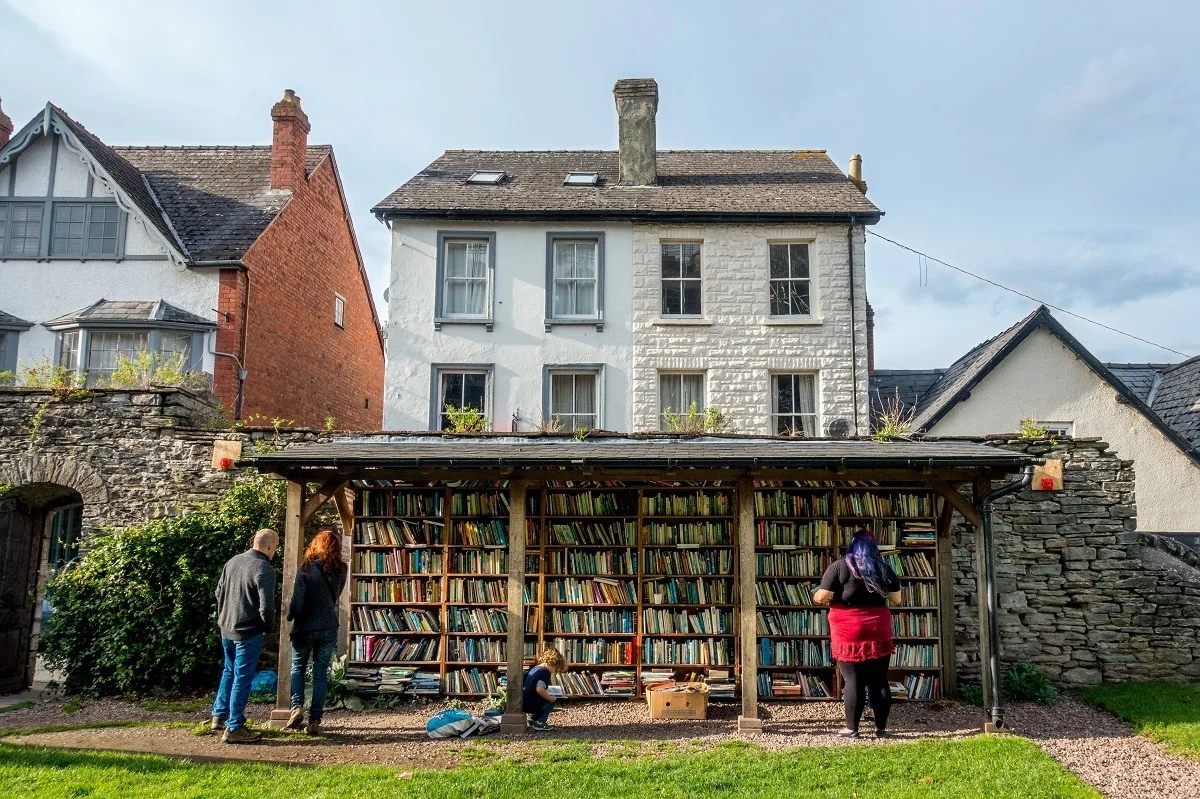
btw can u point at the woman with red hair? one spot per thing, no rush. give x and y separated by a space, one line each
313 614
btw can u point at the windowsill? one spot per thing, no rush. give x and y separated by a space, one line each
468 320
787 321
582 321
682 321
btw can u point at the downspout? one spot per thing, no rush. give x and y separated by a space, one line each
989 577
242 373
853 323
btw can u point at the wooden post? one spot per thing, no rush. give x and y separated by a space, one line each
987 607
513 720
293 550
946 616
344 499
747 610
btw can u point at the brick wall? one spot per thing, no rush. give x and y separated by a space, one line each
231 308
301 366
738 344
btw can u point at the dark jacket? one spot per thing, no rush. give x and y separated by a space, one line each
314 599
246 596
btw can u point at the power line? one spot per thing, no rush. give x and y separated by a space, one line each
929 257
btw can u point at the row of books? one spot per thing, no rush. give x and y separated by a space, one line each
398 561
711 621
693 503
782 503
869 503
598 651
477 620
479 561
687 533
817 533
591 503
807 563
917 686
688 651
492 533
492 503
916 656
595 591
772 652
399 532
402 503
579 683
382 589
687 591
782 684
371 681
394 620
914 625
383 648
591 621
781 592
915 564
476 590
918 534
580 561
921 595
612 533
697 562
472 681
476 650
801 622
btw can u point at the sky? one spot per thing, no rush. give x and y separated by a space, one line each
1052 147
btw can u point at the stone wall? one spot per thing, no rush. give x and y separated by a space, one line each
1081 593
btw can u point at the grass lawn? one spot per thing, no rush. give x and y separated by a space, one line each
1162 711
986 766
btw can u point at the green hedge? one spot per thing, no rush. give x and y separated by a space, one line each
138 612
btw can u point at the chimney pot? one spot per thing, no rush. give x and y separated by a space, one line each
6 127
637 144
289 142
856 173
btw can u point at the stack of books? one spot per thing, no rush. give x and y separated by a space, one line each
619 682
918 534
425 682
656 676
720 684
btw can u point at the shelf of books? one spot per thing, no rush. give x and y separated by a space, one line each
801 528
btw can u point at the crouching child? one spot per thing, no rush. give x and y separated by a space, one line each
536 699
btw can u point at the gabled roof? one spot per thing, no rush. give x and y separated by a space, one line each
1177 400
142 313
907 386
10 322
692 184
967 372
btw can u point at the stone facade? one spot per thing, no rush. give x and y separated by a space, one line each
736 342
1081 594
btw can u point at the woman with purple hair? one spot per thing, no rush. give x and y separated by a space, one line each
857 589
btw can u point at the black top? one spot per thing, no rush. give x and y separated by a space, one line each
531 700
314 599
851 591
246 596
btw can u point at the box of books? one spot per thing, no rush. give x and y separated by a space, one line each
682 700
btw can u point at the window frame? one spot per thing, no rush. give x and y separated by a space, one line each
552 316
12 343
1058 428
680 373
45 251
487 318
775 414
811 280
436 372
662 279
595 370
154 334
339 310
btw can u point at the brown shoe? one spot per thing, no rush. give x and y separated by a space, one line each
296 720
313 728
240 736
217 724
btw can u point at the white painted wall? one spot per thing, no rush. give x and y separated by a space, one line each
40 291
518 345
738 344
1043 380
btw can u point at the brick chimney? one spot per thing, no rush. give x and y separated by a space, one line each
289 144
637 103
6 128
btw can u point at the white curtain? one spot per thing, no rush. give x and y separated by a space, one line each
806 403
466 276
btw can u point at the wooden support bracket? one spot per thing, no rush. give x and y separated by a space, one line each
948 492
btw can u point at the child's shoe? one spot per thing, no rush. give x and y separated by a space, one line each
538 726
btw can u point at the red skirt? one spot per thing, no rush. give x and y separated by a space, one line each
858 634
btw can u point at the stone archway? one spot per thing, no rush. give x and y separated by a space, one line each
55 470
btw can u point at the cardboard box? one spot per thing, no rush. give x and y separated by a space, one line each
691 703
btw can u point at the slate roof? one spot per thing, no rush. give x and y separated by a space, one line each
131 311
219 199
783 184
7 320
1139 377
1178 399
907 385
417 452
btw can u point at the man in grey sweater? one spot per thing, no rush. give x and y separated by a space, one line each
245 610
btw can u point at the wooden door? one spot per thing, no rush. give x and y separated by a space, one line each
17 596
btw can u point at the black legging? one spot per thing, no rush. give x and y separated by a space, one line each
868 677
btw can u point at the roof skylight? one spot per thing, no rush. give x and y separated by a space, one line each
486 176
581 179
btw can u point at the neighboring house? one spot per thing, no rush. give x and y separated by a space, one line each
242 260
598 289
1037 371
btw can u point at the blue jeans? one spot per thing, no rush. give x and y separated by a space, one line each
317 646
538 708
241 658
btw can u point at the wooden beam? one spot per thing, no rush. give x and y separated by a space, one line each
513 720
984 566
344 498
747 607
946 612
948 492
293 550
322 495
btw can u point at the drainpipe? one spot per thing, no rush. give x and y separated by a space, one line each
992 703
853 323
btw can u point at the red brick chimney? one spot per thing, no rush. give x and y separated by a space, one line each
6 127
289 143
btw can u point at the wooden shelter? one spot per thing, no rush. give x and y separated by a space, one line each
548 486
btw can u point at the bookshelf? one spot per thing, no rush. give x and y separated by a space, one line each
633 583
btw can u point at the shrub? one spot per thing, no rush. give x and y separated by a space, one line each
972 693
146 369
466 420
7 379
1031 429
895 421
710 420
137 612
1025 681
45 374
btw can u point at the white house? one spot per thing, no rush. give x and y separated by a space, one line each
597 289
1036 370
